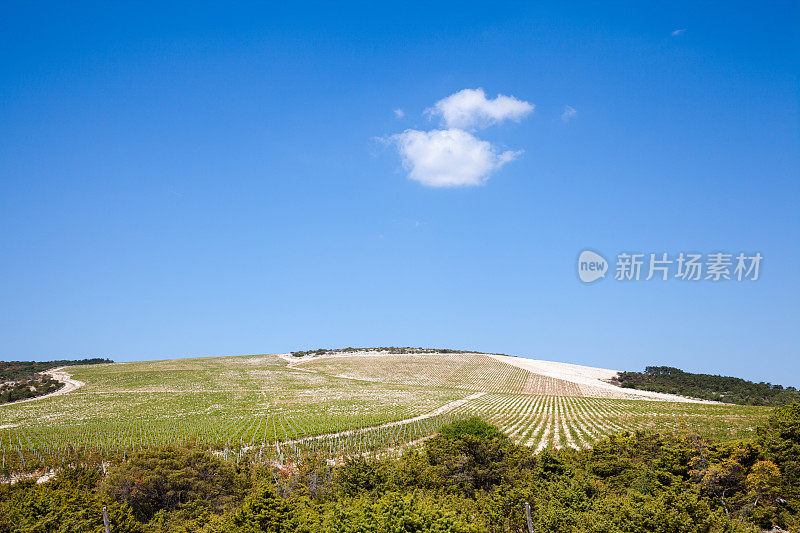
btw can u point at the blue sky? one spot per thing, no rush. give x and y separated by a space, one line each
209 180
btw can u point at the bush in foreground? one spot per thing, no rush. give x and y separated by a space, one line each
469 478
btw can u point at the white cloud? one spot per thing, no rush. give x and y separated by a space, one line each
678 32
569 113
449 158
452 156
469 108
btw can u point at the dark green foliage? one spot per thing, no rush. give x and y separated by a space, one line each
394 512
69 502
357 475
17 370
473 427
779 439
262 511
20 380
389 349
169 478
468 479
708 387
27 388
471 455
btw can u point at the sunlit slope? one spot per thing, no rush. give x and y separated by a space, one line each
559 421
221 403
460 371
226 388
467 371
280 407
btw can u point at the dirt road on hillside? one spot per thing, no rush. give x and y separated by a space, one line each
59 375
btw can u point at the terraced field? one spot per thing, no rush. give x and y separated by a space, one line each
279 407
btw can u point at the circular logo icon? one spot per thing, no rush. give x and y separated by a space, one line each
591 266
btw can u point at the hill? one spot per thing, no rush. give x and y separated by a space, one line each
276 407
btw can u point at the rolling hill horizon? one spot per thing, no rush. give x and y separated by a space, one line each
279 406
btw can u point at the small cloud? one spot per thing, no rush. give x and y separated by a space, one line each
449 158
678 32
453 156
469 108
569 113
399 113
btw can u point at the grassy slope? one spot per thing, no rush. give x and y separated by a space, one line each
516 406
238 401
221 400
460 371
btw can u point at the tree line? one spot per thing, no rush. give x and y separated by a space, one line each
708 386
388 349
17 370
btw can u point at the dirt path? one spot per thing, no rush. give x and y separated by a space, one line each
60 375
439 411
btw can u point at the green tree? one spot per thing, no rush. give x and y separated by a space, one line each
763 484
67 503
167 478
263 511
779 438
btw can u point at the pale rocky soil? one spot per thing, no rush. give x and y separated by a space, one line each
591 381
64 377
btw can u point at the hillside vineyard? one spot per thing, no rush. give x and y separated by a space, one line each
275 408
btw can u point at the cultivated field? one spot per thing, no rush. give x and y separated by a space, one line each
277 407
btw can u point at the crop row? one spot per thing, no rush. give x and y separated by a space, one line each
461 371
270 438
561 421
537 421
